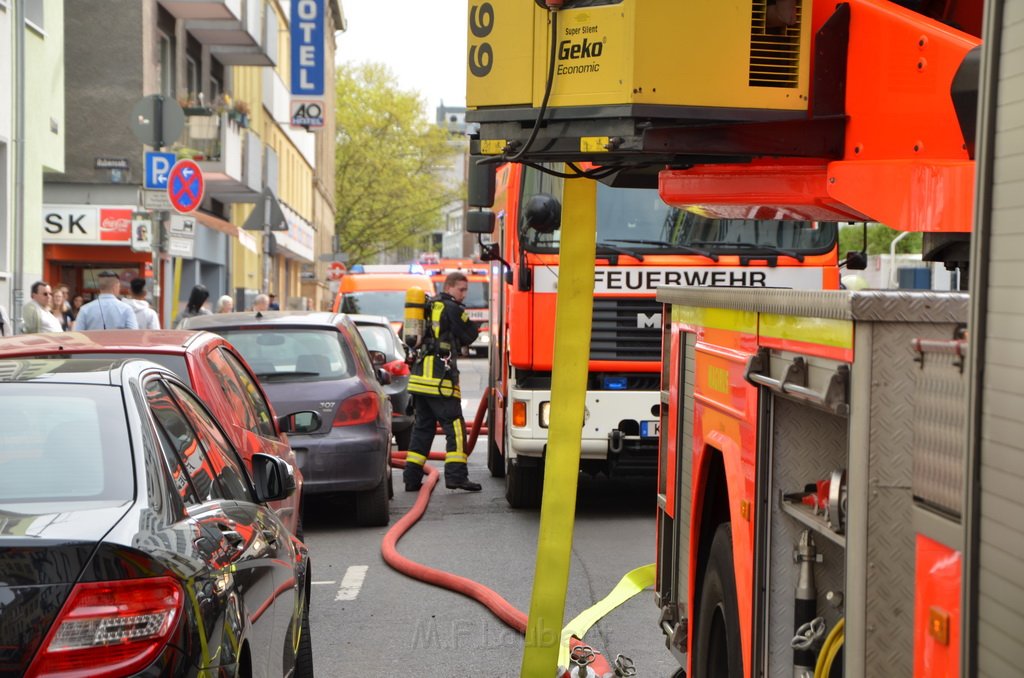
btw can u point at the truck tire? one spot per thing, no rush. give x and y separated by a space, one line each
716 648
524 485
495 460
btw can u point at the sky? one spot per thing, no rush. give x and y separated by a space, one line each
422 41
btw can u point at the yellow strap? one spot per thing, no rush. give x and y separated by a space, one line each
633 583
415 458
460 444
573 317
456 457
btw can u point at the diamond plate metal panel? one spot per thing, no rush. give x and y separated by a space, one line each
888 305
940 421
807 444
686 471
890 536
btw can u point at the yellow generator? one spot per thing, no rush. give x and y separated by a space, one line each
598 72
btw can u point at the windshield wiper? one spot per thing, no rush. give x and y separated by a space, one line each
754 250
603 245
264 375
675 246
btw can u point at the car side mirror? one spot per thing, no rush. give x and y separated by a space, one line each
306 421
383 376
273 477
480 182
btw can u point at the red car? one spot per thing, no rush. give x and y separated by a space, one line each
214 370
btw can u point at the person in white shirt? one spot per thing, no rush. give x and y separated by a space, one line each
106 312
36 316
144 313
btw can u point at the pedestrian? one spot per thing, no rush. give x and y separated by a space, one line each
106 312
273 305
225 304
36 316
6 326
145 316
60 308
435 385
196 305
261 304
77 302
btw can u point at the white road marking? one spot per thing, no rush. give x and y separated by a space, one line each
351 582
321 583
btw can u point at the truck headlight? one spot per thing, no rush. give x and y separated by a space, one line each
545 413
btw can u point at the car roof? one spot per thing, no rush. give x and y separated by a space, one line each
364 319
152 341
93 371
249 319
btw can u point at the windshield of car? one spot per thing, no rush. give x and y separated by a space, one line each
379 338
631 220
293 354
389 303
63 442
478 295
175 363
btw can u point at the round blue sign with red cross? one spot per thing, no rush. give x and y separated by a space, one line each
185 186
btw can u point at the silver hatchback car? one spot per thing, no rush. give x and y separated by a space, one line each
320 360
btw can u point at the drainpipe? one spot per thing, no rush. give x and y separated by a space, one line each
893 278
18 222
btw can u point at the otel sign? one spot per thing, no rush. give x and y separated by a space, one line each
185 186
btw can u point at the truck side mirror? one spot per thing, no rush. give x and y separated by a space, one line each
480 183
480 221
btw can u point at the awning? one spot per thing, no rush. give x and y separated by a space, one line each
226 227
298 241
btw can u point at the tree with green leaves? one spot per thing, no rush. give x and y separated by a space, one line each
879 237
390 161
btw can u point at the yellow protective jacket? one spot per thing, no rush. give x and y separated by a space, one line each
436 372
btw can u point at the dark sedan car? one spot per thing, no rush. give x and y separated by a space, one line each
132 540
379 335
317 361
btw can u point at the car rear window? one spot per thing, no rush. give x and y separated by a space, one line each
379 338
62 442
293 354
175 363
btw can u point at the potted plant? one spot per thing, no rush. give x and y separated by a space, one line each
194 105
240 113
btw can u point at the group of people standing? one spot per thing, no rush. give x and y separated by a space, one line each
49 310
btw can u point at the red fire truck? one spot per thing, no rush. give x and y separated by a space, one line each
642 244
839 486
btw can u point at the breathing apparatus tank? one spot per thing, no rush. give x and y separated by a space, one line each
415 316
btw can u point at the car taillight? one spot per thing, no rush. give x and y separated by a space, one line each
112 628
360 409
396 368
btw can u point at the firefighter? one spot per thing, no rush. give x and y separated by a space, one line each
434 384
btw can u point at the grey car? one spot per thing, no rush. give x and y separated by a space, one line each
320 361
379 335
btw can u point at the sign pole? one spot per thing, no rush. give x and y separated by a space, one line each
266 243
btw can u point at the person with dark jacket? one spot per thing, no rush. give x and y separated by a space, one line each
196 305
434 383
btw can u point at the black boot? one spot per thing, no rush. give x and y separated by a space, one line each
466 484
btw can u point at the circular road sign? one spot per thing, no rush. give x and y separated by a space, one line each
335 270
185 186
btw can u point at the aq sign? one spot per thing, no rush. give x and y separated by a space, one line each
185 186
308 67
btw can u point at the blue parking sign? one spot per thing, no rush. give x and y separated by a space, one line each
158 169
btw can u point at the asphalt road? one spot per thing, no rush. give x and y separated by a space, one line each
369 620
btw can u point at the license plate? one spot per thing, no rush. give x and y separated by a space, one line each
650 429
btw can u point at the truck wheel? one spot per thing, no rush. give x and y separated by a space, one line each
523 485
372 507
716 648
495 461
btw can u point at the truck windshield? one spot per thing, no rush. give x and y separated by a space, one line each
637 219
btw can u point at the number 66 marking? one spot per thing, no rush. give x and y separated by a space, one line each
481 22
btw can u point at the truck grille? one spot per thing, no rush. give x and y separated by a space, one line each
626 329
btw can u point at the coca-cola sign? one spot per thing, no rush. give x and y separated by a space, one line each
115 225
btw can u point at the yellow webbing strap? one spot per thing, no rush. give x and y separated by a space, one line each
573 318
633 583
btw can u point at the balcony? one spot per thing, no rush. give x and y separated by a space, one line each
229 155
234 30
